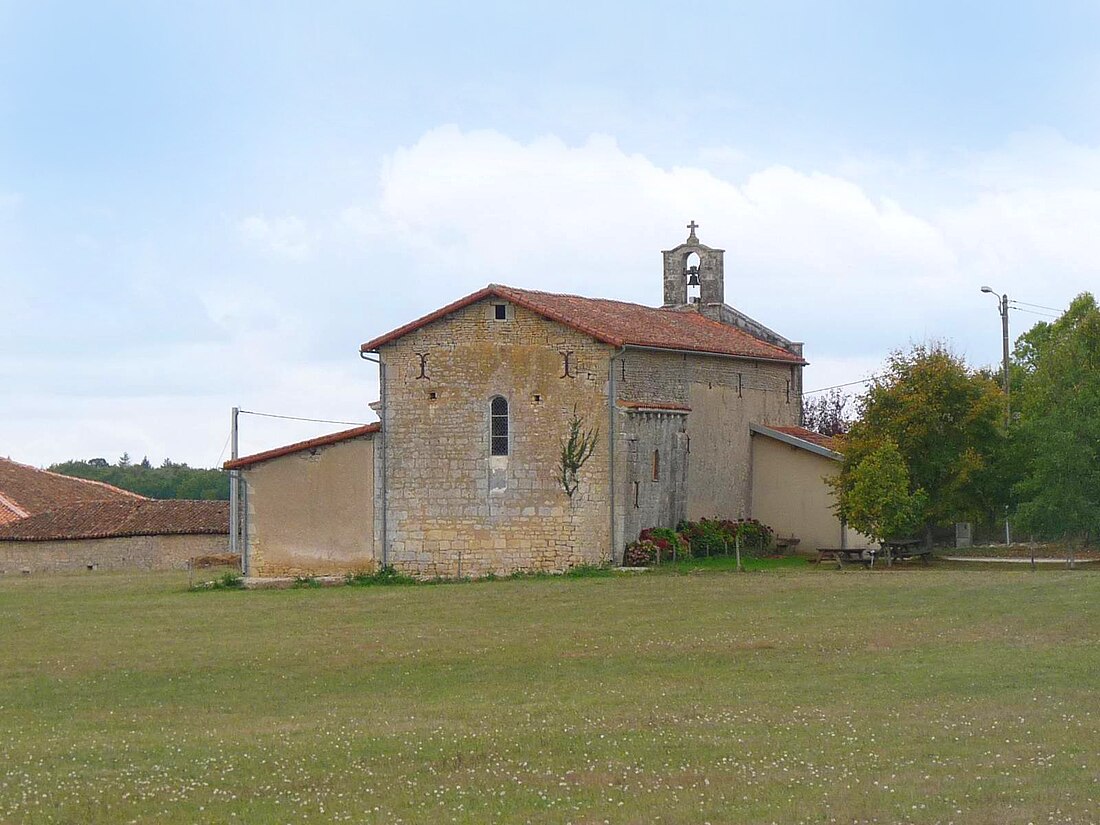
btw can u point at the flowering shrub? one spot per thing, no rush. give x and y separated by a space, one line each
718 537
672 545
706 537
640 553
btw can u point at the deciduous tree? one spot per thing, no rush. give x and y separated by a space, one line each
946 422
1059 423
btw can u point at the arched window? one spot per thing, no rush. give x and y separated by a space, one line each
498 426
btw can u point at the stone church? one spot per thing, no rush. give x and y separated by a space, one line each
463 475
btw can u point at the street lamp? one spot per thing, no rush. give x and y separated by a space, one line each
1003 306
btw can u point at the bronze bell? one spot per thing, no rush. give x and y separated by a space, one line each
693 276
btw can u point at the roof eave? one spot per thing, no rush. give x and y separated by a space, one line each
301 446
795 441
793 361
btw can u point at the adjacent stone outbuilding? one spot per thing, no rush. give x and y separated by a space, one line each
309 507
134 534
790 466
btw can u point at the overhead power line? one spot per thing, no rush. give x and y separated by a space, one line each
300 418
1033 312
1037 306
838 386
218 463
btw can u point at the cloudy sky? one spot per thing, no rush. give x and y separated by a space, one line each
212 204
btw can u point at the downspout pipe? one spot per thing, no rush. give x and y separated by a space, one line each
612 399
377 359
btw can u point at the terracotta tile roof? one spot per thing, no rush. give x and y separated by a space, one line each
646 405
313 443
108 519
26 490
826 441
617 323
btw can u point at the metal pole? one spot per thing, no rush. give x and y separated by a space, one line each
235 497
1008 402
1004 345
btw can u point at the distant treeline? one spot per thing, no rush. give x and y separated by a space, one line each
169 480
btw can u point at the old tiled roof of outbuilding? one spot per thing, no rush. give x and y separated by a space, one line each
802 438
109 519
826 441
26 491
617 323
301 446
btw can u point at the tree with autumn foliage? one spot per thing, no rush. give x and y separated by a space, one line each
945 422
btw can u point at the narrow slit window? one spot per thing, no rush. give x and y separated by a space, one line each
498 426
656 464
635 495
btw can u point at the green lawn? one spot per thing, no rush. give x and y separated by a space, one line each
786 695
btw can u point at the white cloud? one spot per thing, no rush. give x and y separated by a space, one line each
820 257
595 217
817 256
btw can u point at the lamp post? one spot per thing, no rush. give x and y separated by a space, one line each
1002 302
1003 307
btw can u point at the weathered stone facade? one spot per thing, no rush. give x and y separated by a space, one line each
655 470
725 396
452 508
165 552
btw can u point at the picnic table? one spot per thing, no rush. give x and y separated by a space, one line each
860 555
893 549
905 549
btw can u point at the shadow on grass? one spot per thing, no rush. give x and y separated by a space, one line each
728 564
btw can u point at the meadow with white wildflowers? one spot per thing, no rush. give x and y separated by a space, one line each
795 695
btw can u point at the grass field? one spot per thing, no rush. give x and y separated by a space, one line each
787 695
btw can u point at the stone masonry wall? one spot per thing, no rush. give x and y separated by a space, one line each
124 553
725 395
655 452
451 508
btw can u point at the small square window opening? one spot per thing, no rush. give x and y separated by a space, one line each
500 312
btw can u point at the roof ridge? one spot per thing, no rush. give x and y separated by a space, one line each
617 323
